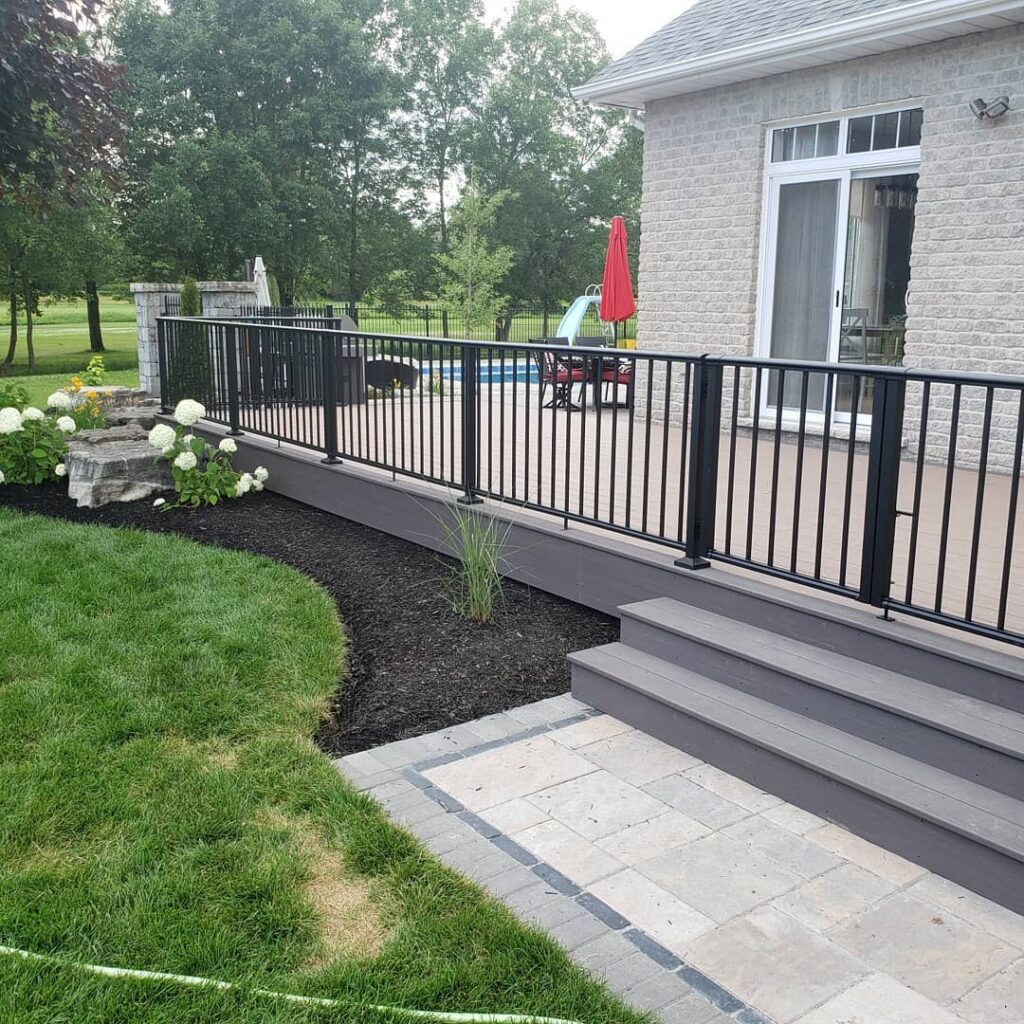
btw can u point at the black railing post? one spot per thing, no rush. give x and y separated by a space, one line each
702 486
882 489
161 351
231 342
329 397
469 437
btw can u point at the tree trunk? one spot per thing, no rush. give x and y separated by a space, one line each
92 313
13 343
26 291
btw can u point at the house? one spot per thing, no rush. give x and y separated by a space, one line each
819 183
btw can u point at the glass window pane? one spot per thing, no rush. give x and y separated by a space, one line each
782 144
804 145
828 138
885 131
910 127
860 135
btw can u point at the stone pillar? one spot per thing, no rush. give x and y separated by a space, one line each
149 304
226 298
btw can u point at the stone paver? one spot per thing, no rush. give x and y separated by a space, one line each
652 908
834 897
1000 1000
773 962
568 852
597 804
689 892
504 773
719 876
879 999
636 758
647 839
933 952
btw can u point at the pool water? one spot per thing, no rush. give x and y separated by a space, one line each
491 372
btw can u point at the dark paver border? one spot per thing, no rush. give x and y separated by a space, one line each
615 922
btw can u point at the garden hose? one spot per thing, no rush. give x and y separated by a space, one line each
288 997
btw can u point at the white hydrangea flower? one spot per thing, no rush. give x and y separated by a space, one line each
60 469
257 485
2 477
260 474
228 445
244 485
159 502
32 413
10 420
186 460
59 400
187 439
162 436
66 424
189 411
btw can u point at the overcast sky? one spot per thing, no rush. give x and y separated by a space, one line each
623 23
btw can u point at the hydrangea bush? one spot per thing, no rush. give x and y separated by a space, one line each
32 445
203 474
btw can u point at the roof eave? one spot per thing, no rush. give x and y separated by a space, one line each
880 29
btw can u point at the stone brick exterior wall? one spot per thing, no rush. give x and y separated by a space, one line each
704 183
219 298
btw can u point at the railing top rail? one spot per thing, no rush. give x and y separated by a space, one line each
965 377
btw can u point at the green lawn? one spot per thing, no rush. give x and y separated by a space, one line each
41 386
61 337
162 806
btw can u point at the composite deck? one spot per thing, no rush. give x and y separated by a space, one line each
795 508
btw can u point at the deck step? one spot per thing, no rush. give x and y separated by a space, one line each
970 737
963 830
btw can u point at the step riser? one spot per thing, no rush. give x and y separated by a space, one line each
894 654
978 867
926 743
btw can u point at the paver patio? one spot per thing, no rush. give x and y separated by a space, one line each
691 892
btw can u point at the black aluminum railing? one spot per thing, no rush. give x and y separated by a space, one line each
895 487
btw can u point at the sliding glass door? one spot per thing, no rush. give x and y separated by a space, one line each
838 231
803 258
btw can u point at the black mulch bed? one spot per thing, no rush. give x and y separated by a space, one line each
415 666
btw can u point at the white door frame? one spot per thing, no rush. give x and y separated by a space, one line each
844 167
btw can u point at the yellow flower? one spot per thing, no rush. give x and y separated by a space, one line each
90 394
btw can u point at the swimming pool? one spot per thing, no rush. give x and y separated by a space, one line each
492 371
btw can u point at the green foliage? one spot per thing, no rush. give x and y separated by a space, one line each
190 372
95 372
32 453
471 269
191 300
203 474
478 541
13 395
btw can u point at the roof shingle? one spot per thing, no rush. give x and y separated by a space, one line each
713 26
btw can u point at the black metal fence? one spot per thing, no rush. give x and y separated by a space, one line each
518 326
897 488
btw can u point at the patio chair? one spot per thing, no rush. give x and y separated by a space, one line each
616 373
558 371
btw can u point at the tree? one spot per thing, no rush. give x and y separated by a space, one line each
534 140
59 113
471 269
447 51
272 131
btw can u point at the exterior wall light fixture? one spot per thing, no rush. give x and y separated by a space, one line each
983 110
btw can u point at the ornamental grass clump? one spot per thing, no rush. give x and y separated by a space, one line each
203 474
478 541
32 445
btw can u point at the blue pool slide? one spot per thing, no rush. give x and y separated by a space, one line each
570 324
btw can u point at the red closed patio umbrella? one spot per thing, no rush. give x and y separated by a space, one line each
617 301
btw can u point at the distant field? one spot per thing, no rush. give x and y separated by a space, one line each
61 337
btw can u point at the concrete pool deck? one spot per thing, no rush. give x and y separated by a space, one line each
690 892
